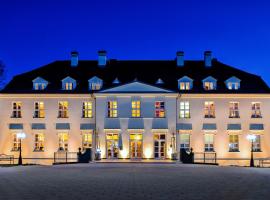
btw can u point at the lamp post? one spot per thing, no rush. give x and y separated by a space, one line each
251 138
20 136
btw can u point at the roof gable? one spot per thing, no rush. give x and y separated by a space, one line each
39 80
136 87
185 79
94 79
209 79
233 79
69 79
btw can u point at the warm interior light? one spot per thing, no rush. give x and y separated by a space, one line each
251 137
147 153
124 153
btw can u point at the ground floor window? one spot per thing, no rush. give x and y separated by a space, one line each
112 145
135 145
185 141
63 141
233 143
39 142
16 143
86 140
159 145
208 142
257 143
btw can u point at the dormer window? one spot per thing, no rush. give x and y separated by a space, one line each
209 83
68 83
95 83
159 81
233 83
185 83
39 83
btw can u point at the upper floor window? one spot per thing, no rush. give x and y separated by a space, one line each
233 83
16 110
39 83
39 142
160 109
256 110
68 83
63 109
185 83
112 109
87 109
39 111
209 83
233 143
136 109
184 110
209 109
95 83
234 110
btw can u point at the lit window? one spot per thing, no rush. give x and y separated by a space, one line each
209 109
233 86
208 142
16 143
63 109
184 85
233 143
86 140
112 145
184 141
209 83
39 86
39 111
16 110
68 86
112 109
63 141
233 83
256 110
39 142
39 83
95 83
234 110
184 110
87 111
160 109
257 143
95 86
209 86
136 108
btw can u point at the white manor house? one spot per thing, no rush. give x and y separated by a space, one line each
136 109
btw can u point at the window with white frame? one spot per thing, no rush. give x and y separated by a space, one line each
112 109
184 110
39 86
256 110
234 110
68 83
87 109
159 109
39 142
209 85
39 83
63 141
233 85
86 140
16 143
209 109
69 86
233 143
95 83
185 141
208 142
184 85
16 109
136 108
62 109
257 143
39 111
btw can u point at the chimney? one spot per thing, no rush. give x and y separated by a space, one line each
102 58
180 58
74 59
208 58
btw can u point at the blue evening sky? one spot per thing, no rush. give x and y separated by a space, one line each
37 32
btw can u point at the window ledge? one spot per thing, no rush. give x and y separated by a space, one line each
38 150
232 151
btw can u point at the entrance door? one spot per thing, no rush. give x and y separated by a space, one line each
159 145
136 145
112 145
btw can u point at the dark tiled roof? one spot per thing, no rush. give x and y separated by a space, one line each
144 71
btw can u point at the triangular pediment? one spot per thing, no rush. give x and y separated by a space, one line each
136 87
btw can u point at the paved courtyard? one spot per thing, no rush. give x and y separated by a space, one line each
134 181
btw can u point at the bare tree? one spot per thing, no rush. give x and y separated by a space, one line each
2 74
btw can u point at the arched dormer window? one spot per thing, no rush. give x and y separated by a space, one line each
95 83
209 83
185 83
68 83
39 83
233 83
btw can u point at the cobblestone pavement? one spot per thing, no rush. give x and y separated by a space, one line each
134 181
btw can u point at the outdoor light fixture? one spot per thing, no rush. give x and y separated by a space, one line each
20 136
251 138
